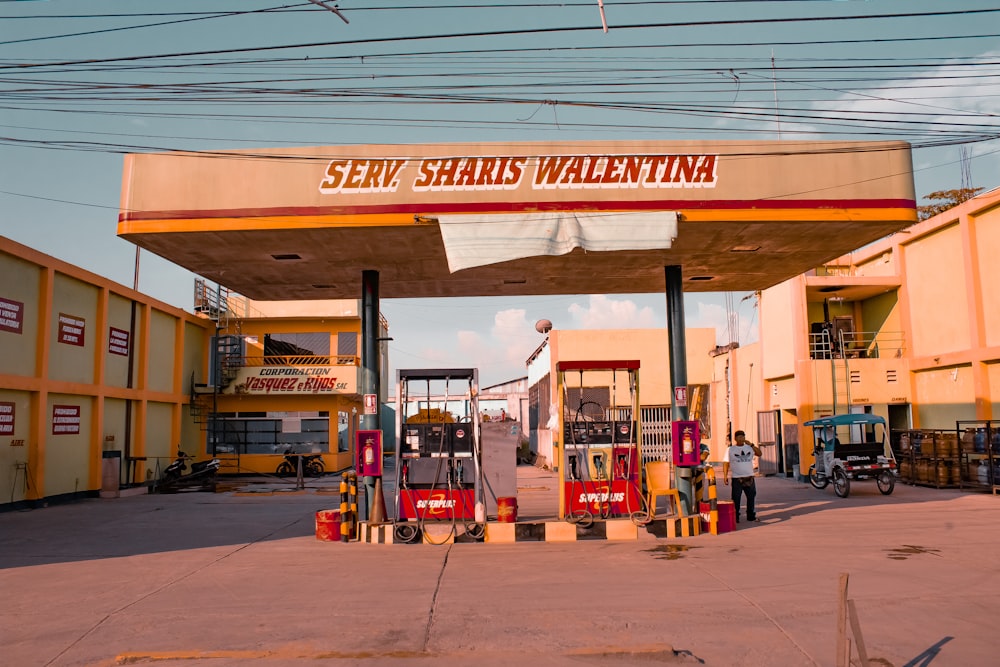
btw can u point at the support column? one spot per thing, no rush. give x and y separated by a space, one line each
676 341
370 365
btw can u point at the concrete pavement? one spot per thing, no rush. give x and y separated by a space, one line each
227 579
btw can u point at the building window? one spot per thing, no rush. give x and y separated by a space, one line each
347 344
297 344
272 432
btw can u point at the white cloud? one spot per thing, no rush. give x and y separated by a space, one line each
715 316
605 313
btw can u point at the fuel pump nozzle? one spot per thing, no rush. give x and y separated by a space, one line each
599 466
458 469
574 473
621 466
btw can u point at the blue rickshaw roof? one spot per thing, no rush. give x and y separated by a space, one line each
846 420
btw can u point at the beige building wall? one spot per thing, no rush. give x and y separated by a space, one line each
984 239
67 387
116 365
936 285
780 314
162 336
68 456
22 283
73 299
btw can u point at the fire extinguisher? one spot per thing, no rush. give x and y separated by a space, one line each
369 456
687 444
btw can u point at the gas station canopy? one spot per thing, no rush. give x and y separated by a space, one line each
515 218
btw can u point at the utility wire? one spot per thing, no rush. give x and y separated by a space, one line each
509 33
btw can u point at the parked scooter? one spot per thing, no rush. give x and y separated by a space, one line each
201 477
312 464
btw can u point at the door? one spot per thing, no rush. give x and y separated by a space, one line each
769 442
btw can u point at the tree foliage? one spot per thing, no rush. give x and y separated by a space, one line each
944 200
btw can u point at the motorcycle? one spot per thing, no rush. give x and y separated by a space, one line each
312 464
202 475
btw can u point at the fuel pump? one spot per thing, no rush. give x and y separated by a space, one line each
438 473
600 453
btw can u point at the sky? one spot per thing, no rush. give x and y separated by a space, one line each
83 82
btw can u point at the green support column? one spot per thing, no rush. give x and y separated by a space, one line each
678 374
370 364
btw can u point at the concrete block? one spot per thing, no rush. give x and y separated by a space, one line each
621 530
560 531
500 532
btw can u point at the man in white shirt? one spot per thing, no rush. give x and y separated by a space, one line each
739 459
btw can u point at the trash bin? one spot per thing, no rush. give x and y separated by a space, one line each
507 509
111 472
328 525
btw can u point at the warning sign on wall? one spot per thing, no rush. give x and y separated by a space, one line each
118 340
6 418
71 329
371 404
11 315
65 419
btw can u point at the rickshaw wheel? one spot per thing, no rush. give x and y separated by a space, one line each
816 480
886 482
841 485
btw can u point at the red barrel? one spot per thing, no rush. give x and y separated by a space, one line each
328 525
727 516
507 509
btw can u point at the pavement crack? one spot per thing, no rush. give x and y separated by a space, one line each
437 589
167 585
760 609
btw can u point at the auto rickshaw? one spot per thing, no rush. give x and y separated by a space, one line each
851 447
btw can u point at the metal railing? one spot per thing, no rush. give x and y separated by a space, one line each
299 360
856 344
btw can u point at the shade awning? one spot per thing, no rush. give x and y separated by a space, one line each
479 240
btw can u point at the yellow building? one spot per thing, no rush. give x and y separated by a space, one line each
907 328
89 369
285 377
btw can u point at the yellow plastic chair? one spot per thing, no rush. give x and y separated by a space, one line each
658 483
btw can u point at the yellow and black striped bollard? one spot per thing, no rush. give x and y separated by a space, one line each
713 501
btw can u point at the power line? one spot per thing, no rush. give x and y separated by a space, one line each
507 33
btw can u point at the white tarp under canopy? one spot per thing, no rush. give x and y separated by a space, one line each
478 240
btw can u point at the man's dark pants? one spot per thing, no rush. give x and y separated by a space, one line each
751 493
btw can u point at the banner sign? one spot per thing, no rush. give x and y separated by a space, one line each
11 315
545 172
65 419
621 498
283 380
71 329
437 504
118 340
6 418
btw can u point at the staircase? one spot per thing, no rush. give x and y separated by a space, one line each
226 359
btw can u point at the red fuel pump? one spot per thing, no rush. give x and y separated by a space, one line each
600 457
438 466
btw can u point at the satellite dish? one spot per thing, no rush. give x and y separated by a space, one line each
543 326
